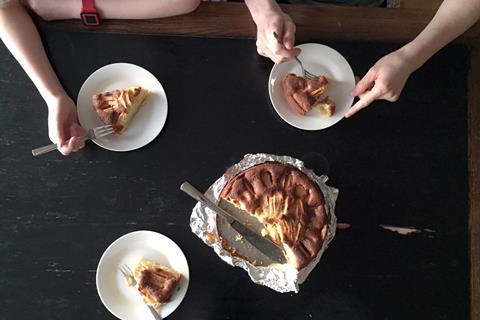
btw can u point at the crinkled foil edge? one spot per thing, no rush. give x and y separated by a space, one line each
282 278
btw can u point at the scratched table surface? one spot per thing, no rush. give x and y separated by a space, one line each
402 164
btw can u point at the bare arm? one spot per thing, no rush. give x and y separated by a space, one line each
386 79
113 9
269 18
21 37
452 19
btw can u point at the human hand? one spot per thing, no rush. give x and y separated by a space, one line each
63 127
385 80
275 35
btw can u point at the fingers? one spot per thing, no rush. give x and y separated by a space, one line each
366 91
76 130
277 39
365 83
289 35
280 53
79 144
71 145
365 100
267 52
66 147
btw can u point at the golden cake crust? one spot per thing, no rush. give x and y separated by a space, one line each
117 107
302 94
287 202
156 282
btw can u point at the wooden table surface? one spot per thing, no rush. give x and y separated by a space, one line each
360 25
338 24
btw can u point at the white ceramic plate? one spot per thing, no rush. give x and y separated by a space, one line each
150 118
320 60
123 301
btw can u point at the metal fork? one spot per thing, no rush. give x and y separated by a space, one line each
132 282
307 74
93 133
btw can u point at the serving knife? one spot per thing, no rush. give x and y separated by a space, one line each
243 227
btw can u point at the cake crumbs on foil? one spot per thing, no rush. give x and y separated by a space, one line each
279 277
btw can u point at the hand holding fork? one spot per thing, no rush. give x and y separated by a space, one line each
93 133
132 282
307 74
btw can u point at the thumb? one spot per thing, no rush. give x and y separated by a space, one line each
289 36
364 84
67 147
77 130
364 101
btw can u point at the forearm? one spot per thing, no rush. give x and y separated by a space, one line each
452 19
259 7
113 9
145 9
21 37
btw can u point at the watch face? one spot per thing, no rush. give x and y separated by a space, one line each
90 19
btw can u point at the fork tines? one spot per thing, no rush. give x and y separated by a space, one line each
128 274
103 131
125 273
125 270
104 127
309 75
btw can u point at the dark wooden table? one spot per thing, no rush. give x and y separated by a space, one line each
413 163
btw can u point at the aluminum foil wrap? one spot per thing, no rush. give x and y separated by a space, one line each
279 277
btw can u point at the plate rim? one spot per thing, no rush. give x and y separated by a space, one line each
118 64
270 88
109 247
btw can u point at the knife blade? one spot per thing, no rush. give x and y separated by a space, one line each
249 230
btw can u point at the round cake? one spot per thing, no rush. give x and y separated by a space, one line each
289 205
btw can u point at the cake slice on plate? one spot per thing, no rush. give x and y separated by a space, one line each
303 94
156 283
325 106
118 107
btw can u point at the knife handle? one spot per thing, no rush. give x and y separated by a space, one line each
197 195
276 255
193 192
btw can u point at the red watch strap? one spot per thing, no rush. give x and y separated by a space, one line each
88 5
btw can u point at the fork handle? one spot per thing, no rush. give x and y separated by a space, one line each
45 149
154 312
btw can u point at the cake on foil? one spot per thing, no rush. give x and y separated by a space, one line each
290 206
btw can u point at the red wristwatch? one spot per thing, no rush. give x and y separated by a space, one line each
89 14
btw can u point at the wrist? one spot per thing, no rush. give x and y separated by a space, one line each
410 57
261 8
55 101
414 55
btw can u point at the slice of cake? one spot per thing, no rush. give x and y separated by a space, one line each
303 94
289 204
325 106
118 107
156 282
